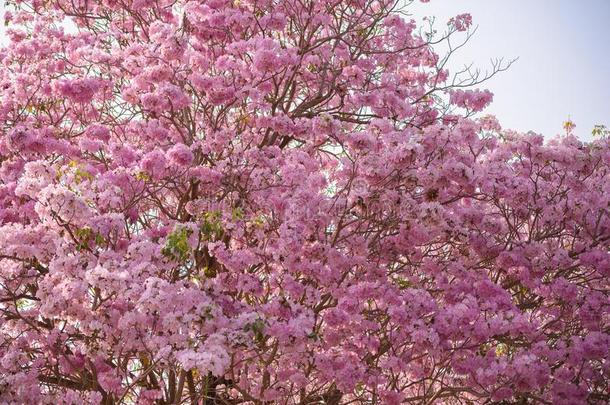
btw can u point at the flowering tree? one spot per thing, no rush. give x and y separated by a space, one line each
284 201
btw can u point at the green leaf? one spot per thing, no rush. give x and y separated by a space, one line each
237 213
257 328
402 283
211 226
600 130
177 246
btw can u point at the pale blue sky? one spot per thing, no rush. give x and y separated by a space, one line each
564 59
563 48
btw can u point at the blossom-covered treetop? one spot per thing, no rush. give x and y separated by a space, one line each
285 201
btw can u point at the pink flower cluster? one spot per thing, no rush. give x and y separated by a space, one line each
79 90
461 22
473 100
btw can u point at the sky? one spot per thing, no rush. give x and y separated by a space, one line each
563 70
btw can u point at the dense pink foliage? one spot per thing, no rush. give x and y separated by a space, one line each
286 201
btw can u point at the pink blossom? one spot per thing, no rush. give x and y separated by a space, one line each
461 22
475 100
180 155
265 60
21 137
80 90
154 163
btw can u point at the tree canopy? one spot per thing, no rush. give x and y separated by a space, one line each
285 201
